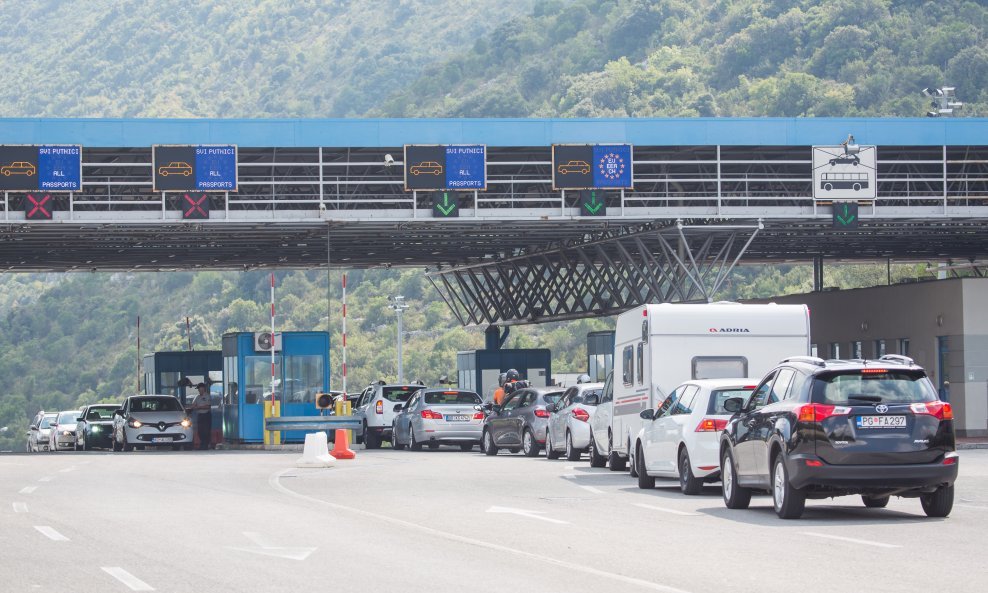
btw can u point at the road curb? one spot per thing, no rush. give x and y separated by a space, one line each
972 446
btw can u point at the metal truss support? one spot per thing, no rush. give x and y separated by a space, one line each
601 275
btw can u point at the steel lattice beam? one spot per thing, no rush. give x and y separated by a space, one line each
603 275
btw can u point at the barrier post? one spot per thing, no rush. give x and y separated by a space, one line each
267 414
272 410
343 409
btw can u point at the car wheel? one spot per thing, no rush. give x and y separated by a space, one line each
875 502
735 495
113 442
372 440
413 444
572 454
645 482
528 444
596 459
789 502
550 452
489 447
939 503
689 484
632 466
394 439
125 445
466 447
83 445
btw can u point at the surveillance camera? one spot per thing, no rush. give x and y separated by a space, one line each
322 207
389 160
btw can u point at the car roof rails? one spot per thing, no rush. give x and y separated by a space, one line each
837 361
898 359
807 359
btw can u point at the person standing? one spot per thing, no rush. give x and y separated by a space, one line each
204 416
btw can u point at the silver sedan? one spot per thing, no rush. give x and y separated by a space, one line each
434 417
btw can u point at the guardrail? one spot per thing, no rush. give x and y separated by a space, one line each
281 423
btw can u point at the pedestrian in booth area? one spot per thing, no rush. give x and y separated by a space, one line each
204 416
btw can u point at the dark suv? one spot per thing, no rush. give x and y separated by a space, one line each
818 429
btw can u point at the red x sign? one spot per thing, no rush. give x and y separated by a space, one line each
37 208
195 207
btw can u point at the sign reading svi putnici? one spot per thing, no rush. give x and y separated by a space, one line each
45 168
202 167
445 167
591 166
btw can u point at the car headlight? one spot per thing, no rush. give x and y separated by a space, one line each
66 433
186 423
135 423
94 429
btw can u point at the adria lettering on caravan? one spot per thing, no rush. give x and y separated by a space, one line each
730 330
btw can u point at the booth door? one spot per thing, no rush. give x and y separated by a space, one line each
302 380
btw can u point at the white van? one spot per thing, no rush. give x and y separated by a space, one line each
657 347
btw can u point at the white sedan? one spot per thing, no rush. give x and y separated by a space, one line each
681 437
569 421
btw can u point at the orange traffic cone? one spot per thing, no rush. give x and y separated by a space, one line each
341 445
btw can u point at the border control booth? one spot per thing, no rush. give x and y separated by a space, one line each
301 371
177 374
477 370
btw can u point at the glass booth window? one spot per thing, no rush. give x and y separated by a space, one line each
231 393
304 379
257 378
169 383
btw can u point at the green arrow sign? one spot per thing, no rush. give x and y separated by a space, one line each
845 215
592 203
444 205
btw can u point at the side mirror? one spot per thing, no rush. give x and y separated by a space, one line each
398 407
733 405
118 412
552 408
79 419
592 400
496 409
647 414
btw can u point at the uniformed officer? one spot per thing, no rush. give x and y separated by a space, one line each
204 416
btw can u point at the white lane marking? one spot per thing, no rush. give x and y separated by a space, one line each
126 578
591 489
51 534
28 489
266 549
526 513
20 507
852 540
275 482
46 479
652 507
971 506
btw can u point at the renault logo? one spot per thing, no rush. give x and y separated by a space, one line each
881 408
161 426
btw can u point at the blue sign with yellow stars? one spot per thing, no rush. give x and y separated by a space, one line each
612 165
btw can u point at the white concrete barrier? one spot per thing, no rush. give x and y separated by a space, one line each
316 452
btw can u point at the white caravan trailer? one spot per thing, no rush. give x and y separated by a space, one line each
657 347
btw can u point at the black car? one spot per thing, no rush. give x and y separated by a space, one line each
95 427
818 429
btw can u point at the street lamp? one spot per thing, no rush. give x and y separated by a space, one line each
944 101
398 305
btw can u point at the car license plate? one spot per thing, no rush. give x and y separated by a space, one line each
457 418
881 421
161 440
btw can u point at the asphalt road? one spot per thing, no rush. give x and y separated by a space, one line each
436 521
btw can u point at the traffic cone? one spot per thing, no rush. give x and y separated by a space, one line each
341 445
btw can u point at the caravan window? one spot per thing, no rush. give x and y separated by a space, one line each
719 367
641 363
628 365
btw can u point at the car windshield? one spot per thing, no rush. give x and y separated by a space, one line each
719 396
101 413
399 394
451 397
155 404
45 422
68 417
873 386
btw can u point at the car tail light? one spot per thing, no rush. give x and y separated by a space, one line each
379 408
431 415
938 409
478 416
949 460
711 425
581 415
819 412
541 412
814 463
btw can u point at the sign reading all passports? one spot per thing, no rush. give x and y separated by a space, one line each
46 168
204 167
445 167
591 166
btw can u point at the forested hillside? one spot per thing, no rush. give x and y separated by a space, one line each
72 338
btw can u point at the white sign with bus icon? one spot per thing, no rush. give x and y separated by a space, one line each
845 172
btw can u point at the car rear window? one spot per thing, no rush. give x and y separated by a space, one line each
451 397
399 394
581 397
553 397
719 396
872 386
155 404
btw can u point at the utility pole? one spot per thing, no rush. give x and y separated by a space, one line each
398 305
